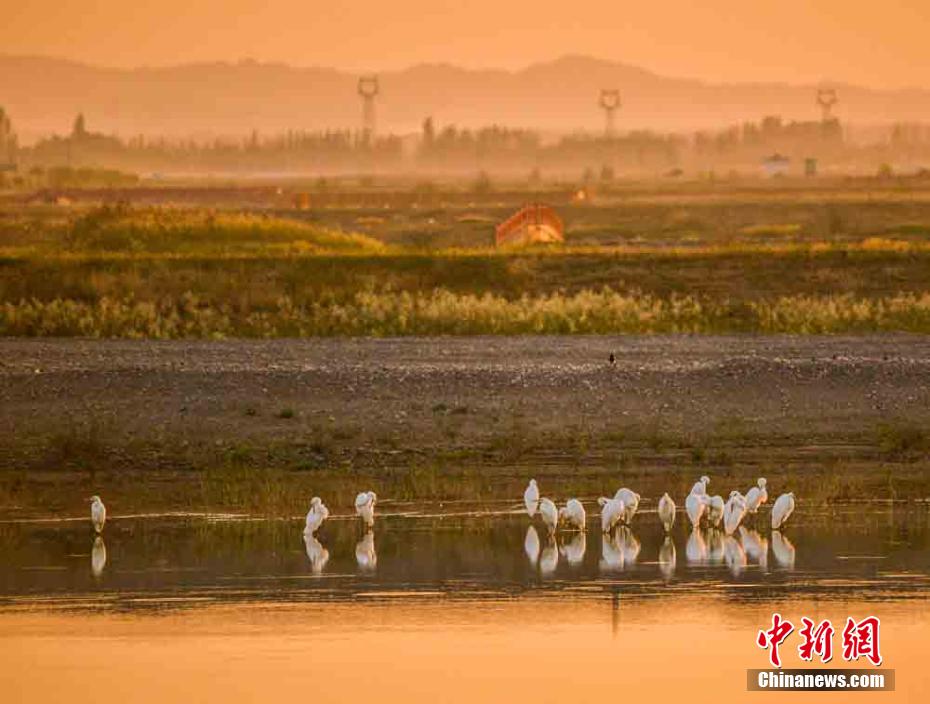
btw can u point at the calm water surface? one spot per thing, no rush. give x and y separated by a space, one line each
441 603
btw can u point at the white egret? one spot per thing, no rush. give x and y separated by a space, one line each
531 545
573 551
756 496
696 548
316 553
694 506
630 501
611 513
98 513
573 514
316 515
700 486
756 546
549 513
782 509
715 508
667 511
531 498
733 512
549 557
365 507
365 555
98 557
667 558
783 550
734 555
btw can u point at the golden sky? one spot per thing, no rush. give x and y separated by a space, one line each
877 44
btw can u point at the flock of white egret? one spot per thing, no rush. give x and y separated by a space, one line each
707 544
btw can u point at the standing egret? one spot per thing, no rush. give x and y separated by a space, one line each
573 551
733 512
531 498
98 557
783 550
756 496
715 508
316 553
782 509
694 506
630 501
365 555
316 515
667 558
98 513
667 511
573 514
611 513
531 545
549 513
365 507
700 486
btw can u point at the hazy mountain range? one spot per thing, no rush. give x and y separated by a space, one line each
42 95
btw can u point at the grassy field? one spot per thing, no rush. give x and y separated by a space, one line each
770 263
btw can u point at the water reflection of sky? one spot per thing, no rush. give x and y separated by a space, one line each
880 553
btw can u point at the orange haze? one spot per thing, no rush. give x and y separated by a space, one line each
797 41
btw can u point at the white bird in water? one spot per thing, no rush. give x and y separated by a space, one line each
667 511
783 550
98 557
316 515
531 498
694 506
573 514
549 513
756 496
630 501
733 512
612 511
316 553
98 513
531 545
365 507
700 486
573 551
782 509
365 554
667 558
715 507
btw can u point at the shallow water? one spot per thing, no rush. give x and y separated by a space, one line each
441 603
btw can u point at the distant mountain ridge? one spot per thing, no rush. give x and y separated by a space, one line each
42 95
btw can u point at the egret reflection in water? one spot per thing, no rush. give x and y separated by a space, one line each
716 546
783 550
549 557
755 545
696 548
316 553
667 558
365 554
98 557
574 549
619 549
734 555
531 546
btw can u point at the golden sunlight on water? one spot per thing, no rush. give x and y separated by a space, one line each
546 649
